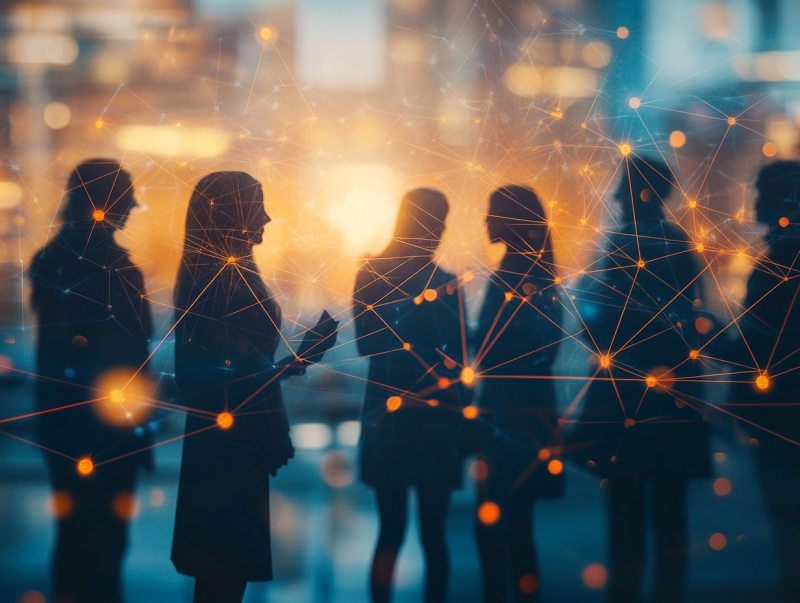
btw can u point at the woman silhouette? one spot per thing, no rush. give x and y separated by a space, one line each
227 330
409 324
516 338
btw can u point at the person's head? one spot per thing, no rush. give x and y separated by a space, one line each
421 221
778 186
99 198
646 183
226 216
516 217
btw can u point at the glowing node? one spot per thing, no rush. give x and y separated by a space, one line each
444 383
266 33
407 347
731 121
622 32
544 454
583 222
651 381
117 396
677 139
99 215
418 299
769 149
717 542
640 263
555 466
595 576
489 513
468 276
509 296
470 412
393 403
605 361
784 222
369 307
98 124
635 102
528 584
231 260
700 247
433 403
430 295
85 466
703 325
225 420
692 203
722 486
583 125
625 149
762 382
469 164
694 354
557 280
467 375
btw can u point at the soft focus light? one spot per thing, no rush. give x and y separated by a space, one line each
479 470
430 295
225 420
471 412
265 33
311 436
703 325
625 149
57 115
128 400
523 79
528 584
393 403
722 487
337 469
170 141
125 506
596 54
467 375
157 497
32 596
635 102
677 139
10 194
42 48
716 20
61 504
348 433
595 576
784 222
489 513
622 32
769 149
555 466
717 542
575 82
85 466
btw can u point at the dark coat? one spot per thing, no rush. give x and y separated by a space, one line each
651 322
418 441
93 318
224 350
771 328
515 340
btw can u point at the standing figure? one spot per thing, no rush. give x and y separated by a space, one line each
409 323
227 328
642 422
517 338
770 325
94 328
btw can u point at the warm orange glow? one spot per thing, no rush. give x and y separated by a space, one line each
85 466
468 276
694 354
231 260
622 32
528 584
266 33
717 542
544 454
116 396
769 149
449 363
467 376
555 466
722 486
98 124
61 504
692 203
125 506
79 341
430 295
509 296
407 347
731 121
635 102
433 403
479 470
784 222
224 420
703 325
625 149
99 215
651 381
393 403
489 513
677 139
629 422
470 412
605 361
640 263
444 383
762 382
595 576
700 247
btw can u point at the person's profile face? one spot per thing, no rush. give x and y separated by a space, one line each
259 221
120 202
494 225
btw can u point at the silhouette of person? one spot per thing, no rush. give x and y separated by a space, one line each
642 422
516 338
227 328
771 330
409 324
93 319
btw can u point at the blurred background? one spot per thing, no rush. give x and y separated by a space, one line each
338 108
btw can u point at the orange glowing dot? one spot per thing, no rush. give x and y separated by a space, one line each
407 347
700 247
722 487
444 383
555 466
528 584
430 294
605 361
544 454
557 280
468 276
125 505
583 125
629 423
703 325
694 354
231 260
85 466
225 420
98 124
117 396
769 149
418 299
433 403
635 102
61 504
79 341
467 375
677 139
489 513
595 576
717 542
369 307
731 121
692 203
784 222
99 215
651 381
762 382
470 412
625 149
509 296
266 33
640 263
622 32
393 403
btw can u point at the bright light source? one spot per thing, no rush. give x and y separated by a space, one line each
348 433
311 436
174 142
57 115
